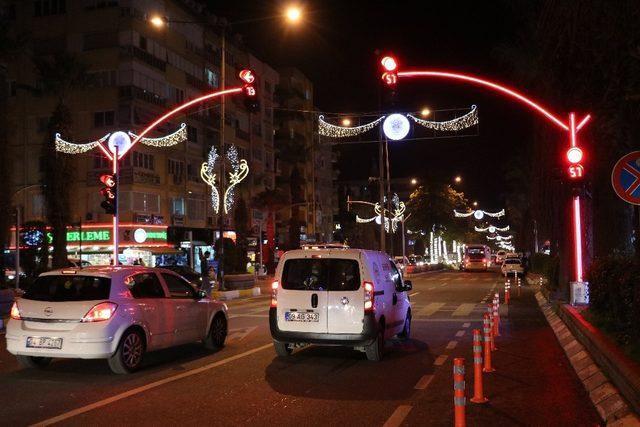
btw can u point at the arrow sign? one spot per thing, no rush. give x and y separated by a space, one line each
240 333
625 178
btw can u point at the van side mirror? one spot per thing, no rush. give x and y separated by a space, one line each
408 285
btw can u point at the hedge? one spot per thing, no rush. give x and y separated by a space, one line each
548 266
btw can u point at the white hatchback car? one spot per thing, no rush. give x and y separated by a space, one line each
114 313
343 297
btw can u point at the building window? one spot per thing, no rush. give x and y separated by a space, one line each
195 209
105 78
104 118
143 43
177 206
146 202
143 160
100 162
49 7
292 133
212 78
42 124
37 205
257 153
192 134
176 167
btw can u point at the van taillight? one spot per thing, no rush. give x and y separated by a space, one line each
274 294
15 312
369 297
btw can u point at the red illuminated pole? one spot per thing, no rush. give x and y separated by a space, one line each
574 155
116 219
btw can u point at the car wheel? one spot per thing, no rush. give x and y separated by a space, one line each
283 349
128 356
217 333
375 350
33 362
406 331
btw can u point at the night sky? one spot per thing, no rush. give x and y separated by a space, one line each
335 47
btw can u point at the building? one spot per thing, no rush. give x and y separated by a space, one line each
305 165
138 71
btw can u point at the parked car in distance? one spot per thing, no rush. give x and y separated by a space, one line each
402 263
512 266
346 297
500 256
476 257
77 263
114 313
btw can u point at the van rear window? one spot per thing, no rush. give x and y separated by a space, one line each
69 288
316 274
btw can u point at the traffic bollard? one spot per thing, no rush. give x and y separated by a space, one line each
478 391
492 327
459 401
486 328
496 316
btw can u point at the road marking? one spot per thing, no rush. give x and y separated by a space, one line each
240 333
233 316
452 345
460 334
464 309
432 288
424 382
440 360
398 416
431 308
414 294
444 284
150 386
466 325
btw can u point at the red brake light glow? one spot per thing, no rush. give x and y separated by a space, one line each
100 312
369 297
15 312
274 293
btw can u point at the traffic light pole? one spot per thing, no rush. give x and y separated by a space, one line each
116 219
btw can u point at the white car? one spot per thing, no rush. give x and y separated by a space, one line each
114 313
343 297
512 266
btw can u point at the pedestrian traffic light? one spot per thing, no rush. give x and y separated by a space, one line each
110 194
251 102
576 170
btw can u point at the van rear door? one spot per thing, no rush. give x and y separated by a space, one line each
345 300
302 296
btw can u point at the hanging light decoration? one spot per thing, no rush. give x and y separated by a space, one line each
166 141
391 219
72 148
208 175
239 171
478 214
459 123
334 131
491 229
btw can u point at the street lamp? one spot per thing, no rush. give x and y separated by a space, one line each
457 179
425 112
346 122
475 204
414 181
293 14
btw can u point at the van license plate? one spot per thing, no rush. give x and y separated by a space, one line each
44 342
296 316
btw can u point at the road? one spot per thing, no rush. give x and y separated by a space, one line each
245 383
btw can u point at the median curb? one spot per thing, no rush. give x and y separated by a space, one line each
240 293
605 396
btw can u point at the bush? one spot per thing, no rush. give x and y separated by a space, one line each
615 296
548 266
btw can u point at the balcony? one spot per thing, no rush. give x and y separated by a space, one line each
197 83
242 134
134 92
144 56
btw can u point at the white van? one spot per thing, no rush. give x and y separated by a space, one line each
343 297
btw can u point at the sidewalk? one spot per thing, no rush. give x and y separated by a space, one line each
262 287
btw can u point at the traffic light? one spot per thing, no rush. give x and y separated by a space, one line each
575 170
251 102
390 70
110 193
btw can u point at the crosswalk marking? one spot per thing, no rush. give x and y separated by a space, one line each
464 309
440 360
466 325
451 345
460 334
424 382
431 308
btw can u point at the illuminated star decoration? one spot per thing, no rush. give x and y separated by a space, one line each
391 219
398 124
166 141
478 214
491 229
239 171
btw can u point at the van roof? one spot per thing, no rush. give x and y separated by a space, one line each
342 252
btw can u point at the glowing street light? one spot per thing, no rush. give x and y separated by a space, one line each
293 14
457 179
414 181
346 122
425 112
475 204
157 21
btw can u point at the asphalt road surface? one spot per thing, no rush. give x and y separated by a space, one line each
246 384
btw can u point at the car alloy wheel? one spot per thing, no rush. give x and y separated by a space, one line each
132 349
219 331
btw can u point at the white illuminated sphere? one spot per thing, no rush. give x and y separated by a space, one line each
378 220
396 127
119 139
492 229
478 215
140 235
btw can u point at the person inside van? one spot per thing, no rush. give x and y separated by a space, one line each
311 282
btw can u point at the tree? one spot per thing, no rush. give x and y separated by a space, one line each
241 221
58 76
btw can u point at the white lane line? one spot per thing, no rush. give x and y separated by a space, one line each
432 288
431 308
440 360
424 382
464 309
413 294
452 345
466 325
150 386
460 334
398 416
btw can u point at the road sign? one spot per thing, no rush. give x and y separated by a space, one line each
625 178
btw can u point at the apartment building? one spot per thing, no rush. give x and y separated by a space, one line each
138 71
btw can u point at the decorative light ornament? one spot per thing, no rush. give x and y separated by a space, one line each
119 142
396 127
491 229
459 123
72 148
478 216
208 175
166 141
140 235
240 170
391 219
334 131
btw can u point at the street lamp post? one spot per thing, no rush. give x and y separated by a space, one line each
18 225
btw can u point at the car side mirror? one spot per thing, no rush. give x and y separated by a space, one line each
200 295
408 285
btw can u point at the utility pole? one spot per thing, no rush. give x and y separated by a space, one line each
223 68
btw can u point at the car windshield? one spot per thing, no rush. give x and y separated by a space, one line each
60 288
512 261
314 274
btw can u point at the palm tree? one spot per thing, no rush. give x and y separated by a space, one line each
58 76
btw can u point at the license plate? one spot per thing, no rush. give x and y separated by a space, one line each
297 316
44 342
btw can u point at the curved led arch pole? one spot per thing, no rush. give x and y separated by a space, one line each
570 127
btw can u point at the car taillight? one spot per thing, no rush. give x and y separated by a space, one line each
100 312
369 297
15 312
274 294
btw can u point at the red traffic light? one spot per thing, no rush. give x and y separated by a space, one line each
247 76
574 155
389 63
108 180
